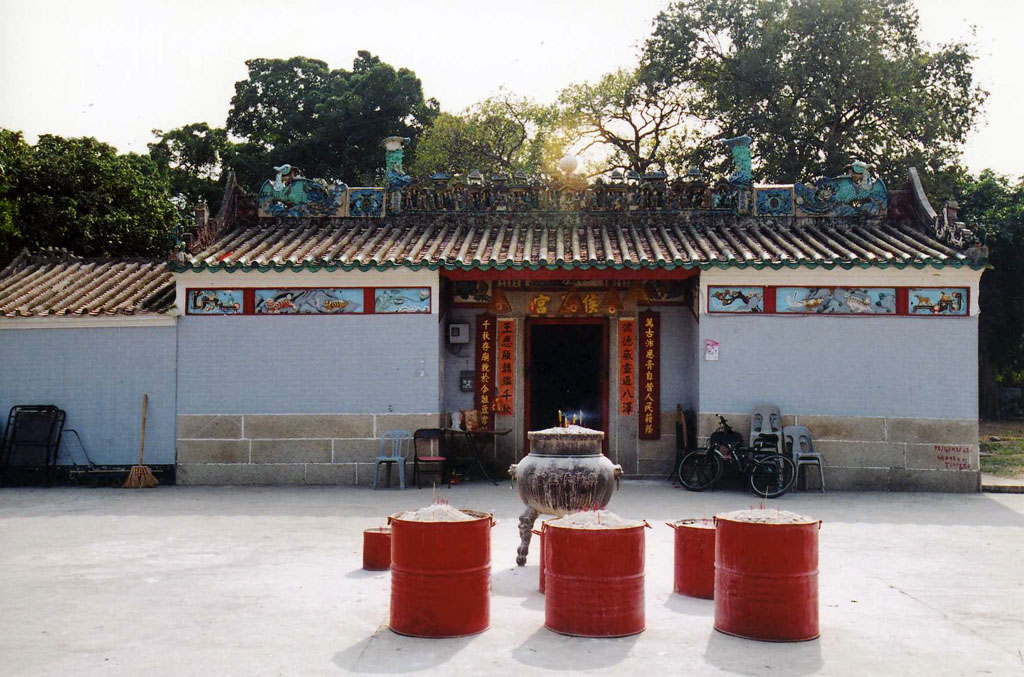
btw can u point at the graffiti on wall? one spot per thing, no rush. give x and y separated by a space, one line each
322 300
953 456
836 300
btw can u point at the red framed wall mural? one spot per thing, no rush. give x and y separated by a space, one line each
309 301
649 359
839 301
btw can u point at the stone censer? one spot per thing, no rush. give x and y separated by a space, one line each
564 472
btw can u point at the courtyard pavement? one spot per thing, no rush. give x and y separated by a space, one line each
267 581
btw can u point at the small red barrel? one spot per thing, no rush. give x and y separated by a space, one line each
594 581
695 558
377 549
766 575
441 576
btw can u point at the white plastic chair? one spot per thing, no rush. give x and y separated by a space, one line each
766 427
800 445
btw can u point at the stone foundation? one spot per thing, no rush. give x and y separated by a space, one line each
287 448
883 454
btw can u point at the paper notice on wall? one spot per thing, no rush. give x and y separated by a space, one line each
711 350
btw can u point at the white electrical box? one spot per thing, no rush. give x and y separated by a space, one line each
458 333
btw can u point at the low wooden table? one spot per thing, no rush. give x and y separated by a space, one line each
477 441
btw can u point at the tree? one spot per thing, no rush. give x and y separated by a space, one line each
79 194
13 156
997 204
502 134
638 121
191 158
328 123
818 83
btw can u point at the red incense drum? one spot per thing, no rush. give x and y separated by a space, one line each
594 580
441 576
377 549
766 576
694 558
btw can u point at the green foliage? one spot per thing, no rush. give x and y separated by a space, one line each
817 83
190 157
328 123
79 194
502 134
13 157
641 124
997 204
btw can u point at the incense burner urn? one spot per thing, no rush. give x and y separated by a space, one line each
564 472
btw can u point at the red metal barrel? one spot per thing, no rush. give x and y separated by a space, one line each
377 549
766 579
540 546
594 581
695 558
441 576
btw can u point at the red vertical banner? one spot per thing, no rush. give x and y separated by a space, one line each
485 348
649 360
505 390
627 366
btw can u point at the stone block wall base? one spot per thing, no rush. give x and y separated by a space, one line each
288 449
879 453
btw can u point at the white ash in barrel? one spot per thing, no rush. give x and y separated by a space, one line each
767 516
437 512
594 519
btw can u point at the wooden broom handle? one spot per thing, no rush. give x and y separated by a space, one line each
142 438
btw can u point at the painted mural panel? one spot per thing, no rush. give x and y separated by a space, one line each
472 293
402 300
319 301
214 302
936 301
836 300
735 299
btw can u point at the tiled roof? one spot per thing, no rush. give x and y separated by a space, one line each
41 285
570 240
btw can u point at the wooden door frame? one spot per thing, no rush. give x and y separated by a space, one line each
602 372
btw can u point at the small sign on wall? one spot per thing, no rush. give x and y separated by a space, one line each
711 350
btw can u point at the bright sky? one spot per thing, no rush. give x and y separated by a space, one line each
115 69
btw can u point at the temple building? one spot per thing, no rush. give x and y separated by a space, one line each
290 330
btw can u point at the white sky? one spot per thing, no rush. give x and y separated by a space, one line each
116 69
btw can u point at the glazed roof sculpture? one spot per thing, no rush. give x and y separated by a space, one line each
626 221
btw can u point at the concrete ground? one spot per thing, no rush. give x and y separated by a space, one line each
267 581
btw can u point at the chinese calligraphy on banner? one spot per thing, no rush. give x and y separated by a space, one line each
627 366
649 360
485 339
504 395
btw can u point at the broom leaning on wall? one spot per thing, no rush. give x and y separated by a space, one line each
141 477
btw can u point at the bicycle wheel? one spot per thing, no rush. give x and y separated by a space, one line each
772 475
699 470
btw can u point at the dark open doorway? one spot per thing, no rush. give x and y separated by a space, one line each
567 362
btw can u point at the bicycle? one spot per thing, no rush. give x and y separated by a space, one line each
769 473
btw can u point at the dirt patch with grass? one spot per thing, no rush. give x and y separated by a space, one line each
1002 448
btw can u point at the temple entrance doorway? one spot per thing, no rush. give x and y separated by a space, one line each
567 370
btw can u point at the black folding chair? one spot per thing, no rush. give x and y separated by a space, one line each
31 443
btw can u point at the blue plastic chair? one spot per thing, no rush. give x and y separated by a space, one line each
394 447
